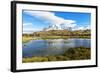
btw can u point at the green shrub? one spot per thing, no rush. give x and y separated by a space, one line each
80 53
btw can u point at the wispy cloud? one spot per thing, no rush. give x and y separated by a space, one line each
29 28
51 18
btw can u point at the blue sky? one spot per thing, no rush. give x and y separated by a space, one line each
37 20
80 18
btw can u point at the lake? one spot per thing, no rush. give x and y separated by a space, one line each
52 46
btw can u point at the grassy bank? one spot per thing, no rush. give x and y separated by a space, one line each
79 53
28 38
64 37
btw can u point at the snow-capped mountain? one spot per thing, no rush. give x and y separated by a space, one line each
58 27
66 27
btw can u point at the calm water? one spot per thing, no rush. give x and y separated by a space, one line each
52 46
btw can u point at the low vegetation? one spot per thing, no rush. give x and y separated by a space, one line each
79 53
28 38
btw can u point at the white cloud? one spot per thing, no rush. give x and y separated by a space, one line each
29 28
49 17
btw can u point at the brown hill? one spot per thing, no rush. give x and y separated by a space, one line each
63 33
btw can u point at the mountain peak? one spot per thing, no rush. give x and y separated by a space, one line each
57 27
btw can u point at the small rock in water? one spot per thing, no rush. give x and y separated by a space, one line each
24 45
